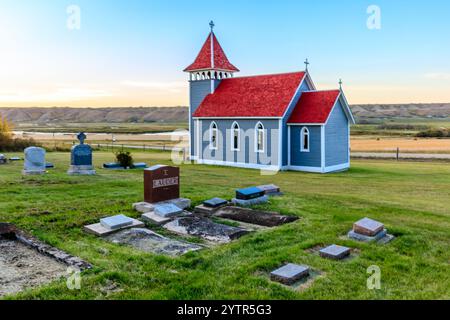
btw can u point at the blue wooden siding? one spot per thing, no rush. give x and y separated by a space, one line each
304 87
306 159
246 153
198 91
336 137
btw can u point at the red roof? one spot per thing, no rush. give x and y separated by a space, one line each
204 61
257 96
314 106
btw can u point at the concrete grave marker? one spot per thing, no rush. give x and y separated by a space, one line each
116 222
270 189
34 161
3 159
290 273
167 210
368 227
335 252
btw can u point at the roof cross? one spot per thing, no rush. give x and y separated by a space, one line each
306 64
340 84
212 25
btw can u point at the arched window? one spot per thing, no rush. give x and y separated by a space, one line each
213 136
304 140
235 137
259 137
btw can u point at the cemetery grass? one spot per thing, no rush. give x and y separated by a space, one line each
411 198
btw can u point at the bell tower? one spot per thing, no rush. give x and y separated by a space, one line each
210 67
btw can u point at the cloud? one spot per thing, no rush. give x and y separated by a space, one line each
173 86
438 76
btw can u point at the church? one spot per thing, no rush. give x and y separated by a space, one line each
269 122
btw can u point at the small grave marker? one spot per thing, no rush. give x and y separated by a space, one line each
335 252
290 273
368 227
116 222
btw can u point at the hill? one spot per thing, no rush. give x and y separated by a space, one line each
96 115
363 114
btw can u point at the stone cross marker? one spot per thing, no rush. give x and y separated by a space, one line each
34 161
161 183
81 158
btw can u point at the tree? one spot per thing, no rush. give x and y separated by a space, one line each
5 126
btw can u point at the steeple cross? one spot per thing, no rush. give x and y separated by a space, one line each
211 25
340 84
306 64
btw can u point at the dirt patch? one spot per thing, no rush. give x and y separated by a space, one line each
22 267
206 229
149 241
262 218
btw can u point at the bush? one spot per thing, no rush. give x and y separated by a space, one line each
124 159
9 144
434 133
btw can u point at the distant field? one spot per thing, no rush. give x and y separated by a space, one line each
410 198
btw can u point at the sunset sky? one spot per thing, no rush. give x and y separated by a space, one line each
132 53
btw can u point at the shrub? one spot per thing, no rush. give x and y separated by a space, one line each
9 144
125 159
434 133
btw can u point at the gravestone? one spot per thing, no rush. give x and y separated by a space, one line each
215 203
289 274
335 252
34 161
167 210
81 158
249 193
368 227
270 189
116 222
161 183
3 159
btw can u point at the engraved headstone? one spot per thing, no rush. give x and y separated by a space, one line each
116 222
34 161
81 158
289 274
3 159
167 210
335 252
161 183
368 227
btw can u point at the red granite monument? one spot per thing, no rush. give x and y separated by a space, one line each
161 183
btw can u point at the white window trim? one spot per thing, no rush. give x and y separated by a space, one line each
232 137
302 137
211 144
256 137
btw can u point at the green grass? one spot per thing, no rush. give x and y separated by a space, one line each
411 198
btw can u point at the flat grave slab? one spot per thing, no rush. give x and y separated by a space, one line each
261 218
144 207
167 210
250 202
15 159
149 241
270 189
290 273
99 230
335 252
368 227
249 193
116 222
215 203
153 218
360 237
204 210
206 229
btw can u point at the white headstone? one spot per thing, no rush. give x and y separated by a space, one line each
34 161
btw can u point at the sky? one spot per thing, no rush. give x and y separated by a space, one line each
123 53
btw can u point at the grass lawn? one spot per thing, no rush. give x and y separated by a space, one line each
411 198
